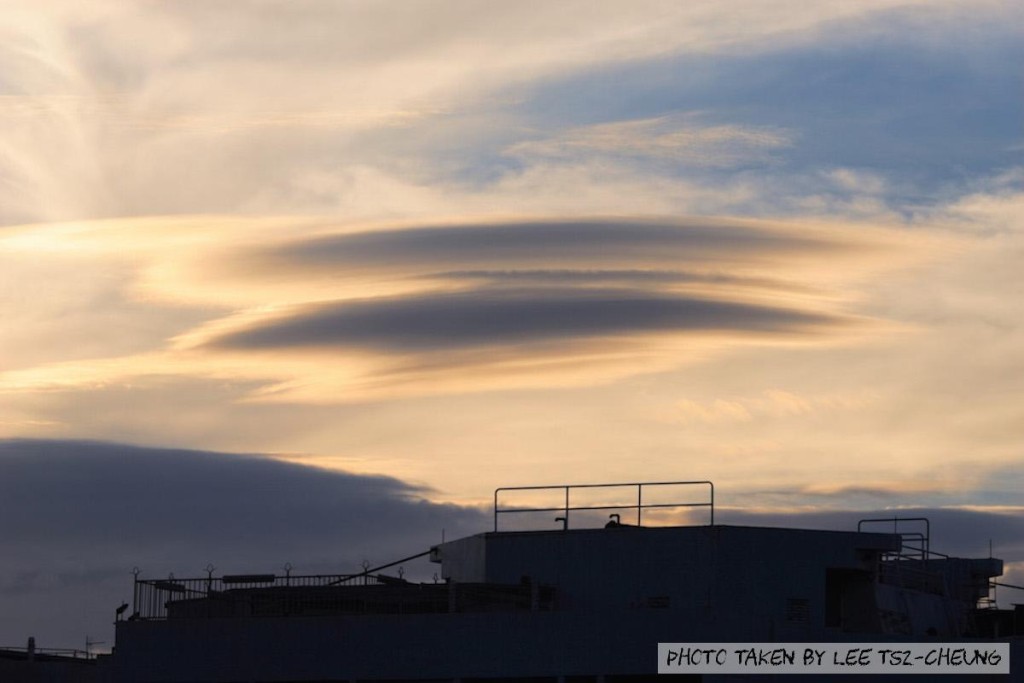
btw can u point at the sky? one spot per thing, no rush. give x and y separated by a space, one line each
306 281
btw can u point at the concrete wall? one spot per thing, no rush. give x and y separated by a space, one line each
755 572
52 670
523 644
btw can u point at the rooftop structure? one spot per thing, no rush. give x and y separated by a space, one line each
586 599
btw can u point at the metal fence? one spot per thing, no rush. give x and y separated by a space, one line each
249 593
274 596
156 598
48 653
640 506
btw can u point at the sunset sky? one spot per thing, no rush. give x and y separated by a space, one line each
269 265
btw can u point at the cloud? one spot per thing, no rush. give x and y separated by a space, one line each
559 241
486 304
80 514
909 322
142 499
525 303
955 531
670 138
612 276
176 108
505 318
771 403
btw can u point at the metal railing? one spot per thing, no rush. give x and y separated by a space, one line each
915 544
897 572
383 595
908 567
639 506
50 652
152 597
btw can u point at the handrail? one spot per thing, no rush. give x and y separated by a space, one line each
925 539
368 572
41 652
640 506
152 596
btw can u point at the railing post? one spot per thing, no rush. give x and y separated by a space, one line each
135 590
567 507
712 485
639 502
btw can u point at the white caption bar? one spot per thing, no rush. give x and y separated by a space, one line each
834 658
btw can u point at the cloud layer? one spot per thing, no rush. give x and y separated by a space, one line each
79 515
503 317
489 304
515 302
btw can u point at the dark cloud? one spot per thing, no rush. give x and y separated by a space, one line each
220 501
76 517
1004 484
635 277
562 241
537 281
497 317
954 531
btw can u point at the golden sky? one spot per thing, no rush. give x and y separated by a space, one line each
769 244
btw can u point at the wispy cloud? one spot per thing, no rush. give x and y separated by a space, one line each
180 108
677 139
771 403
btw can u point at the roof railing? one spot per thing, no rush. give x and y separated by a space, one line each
44 652
151 597
568 506
915 544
